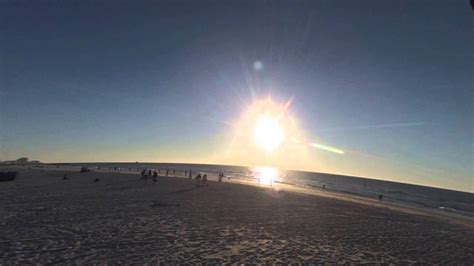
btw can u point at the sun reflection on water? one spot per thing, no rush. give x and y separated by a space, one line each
266 175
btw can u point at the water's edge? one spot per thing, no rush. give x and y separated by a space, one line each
449 201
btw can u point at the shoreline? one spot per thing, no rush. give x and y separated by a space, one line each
406 207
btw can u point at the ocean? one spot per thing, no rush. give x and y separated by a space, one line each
445 200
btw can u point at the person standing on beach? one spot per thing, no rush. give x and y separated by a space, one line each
167 172
155 177
190 174
144 175
204 180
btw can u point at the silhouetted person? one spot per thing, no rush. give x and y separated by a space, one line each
198 179
204 179
149 173
190 174
96 180
324 186
65 177
167 172
155 177
380 197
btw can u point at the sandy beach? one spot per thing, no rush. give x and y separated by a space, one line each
121 219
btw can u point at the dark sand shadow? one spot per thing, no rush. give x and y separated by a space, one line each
184 190
161 204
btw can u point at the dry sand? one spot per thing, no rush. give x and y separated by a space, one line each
44 219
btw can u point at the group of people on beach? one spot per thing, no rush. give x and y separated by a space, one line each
148 174
201 180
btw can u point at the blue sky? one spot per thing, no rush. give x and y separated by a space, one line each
158 81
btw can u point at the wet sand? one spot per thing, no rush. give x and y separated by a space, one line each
121 219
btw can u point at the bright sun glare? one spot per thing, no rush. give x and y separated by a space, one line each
266 175
262 134
268 133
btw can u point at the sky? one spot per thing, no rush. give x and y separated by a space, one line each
388 82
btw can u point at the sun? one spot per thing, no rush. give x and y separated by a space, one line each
268 133
261 135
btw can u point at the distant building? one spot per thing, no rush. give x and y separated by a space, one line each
22 160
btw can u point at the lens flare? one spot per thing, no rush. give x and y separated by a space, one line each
266 175
319 146
257 65
326 148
